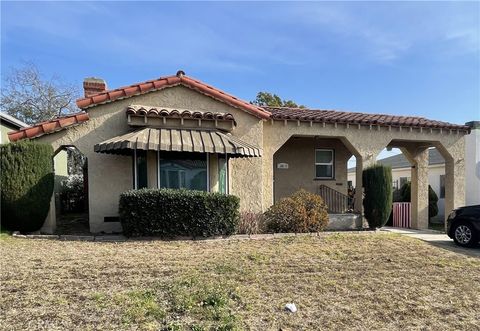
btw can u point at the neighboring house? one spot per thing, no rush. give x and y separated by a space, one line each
401 170
177 131
8 123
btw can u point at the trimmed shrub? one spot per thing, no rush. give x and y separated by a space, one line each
405 195
377 202
26 185
169 213
301 212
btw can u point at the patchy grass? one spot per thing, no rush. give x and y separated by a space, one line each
349 281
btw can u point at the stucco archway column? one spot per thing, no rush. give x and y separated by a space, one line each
366 153
418 157
454 155
273 140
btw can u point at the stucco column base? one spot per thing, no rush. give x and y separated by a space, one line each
454 155
418 156
50 224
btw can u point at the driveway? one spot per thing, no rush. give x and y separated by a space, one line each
435 238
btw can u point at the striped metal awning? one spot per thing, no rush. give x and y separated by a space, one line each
178 140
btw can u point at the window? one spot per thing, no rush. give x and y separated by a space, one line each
395 185
222 174
403 181
324 160
140 169
442 186
183 170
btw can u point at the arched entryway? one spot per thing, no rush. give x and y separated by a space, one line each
71 191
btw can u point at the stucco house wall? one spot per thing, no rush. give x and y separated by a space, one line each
111 175
472 169
299 154
4 130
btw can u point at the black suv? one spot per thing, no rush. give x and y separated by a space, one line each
463 226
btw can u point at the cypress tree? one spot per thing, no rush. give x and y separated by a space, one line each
26 185
377 202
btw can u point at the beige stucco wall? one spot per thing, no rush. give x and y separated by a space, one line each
110 175
299 154
60 165
4 130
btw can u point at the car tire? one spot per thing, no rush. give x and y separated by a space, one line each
464 234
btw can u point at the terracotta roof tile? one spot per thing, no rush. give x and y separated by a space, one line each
180 113
162 82
334 116
47 127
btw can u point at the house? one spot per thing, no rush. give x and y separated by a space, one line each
401 170
8 123
177 131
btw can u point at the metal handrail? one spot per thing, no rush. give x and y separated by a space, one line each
336 202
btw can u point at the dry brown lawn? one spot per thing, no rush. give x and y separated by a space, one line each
338 282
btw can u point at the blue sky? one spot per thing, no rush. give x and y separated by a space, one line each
410 58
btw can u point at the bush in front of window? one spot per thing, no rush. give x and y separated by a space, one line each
377 203
301 212
170 213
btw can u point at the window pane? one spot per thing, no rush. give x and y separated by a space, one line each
324 171
183 170
222 174
141 169
323 156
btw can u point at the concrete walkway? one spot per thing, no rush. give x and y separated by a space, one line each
435 238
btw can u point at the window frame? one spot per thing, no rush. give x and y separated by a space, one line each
225 157
135 167
332 163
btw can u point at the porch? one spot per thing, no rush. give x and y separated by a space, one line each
310 149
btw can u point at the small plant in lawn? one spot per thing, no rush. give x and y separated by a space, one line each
301 212
209 302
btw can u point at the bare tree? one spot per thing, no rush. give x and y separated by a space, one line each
31 98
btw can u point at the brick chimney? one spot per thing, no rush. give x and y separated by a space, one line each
93 86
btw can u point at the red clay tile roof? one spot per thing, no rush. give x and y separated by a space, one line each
163 82
343 117
179 113
47 127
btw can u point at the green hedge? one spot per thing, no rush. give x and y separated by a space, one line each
169 213
26 179
377 202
